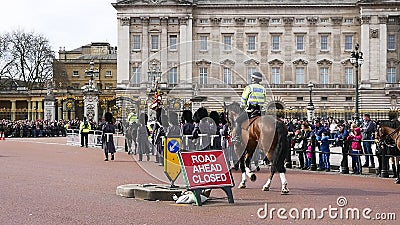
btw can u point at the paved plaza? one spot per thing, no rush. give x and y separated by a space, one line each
45 181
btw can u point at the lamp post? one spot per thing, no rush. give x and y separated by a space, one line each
310 106
356 59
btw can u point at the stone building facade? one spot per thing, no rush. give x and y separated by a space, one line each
206 49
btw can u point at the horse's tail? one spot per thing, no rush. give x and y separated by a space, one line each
282 148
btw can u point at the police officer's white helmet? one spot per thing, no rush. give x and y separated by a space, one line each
257 75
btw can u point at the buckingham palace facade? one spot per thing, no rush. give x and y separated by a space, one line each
202 52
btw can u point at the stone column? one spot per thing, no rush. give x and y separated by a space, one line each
49 108
184 49
145 49
29 110
13 109
164 49
40 110
123 55
60 110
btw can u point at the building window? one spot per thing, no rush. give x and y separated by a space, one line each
203 75
108 73
173 40
250 71
135 75
349 99
136 42
108 86
275 42
301 20
203 21
299 75
173 75
324 42
275 21
391 42
276 75
323 75
203 43
75 85
173 20
299 99
324 98
227 43
75 73
251 42
300 42
391 74
155 20
348 20
227 75
154 42
251 21
227 21
348 75
348 42
324 20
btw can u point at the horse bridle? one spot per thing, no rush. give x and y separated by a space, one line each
385 138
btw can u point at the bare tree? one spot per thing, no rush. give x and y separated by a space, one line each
27 58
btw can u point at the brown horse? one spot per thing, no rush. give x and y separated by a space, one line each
388 134
270 135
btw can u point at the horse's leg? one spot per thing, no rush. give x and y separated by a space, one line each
268 183
248 171
284 190
244 178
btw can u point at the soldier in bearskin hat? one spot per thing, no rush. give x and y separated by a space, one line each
107 138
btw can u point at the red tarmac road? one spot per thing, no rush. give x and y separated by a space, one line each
52 183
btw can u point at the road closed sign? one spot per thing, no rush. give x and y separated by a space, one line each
205 169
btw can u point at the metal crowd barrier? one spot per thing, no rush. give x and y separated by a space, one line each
119 142
94 138
73 137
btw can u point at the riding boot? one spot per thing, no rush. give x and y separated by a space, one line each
398 175
394 171
112 156
106 159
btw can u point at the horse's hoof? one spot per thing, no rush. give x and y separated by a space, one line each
241 186
258 168
284 191
236 167
253 177
265 188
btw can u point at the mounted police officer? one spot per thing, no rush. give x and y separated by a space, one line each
253 98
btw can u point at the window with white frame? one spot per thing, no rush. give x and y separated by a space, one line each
135 75
324 42
391 74
203 43
227 42
136 42
108 73
173 40
324 20
300 75
348 42
300 42
251 42
75 73
227 75
348 75
323 75
203 21
391 42
275 21
275 75
203 75
154 42
348 20
275 42
173 75
155 20
108 86
251 21
227 21
250 71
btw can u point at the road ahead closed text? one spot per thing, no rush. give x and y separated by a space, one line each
206 169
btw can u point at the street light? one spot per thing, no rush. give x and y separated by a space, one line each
356 59
310 106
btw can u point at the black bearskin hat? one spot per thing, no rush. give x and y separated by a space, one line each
108 117
215 116
187 116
